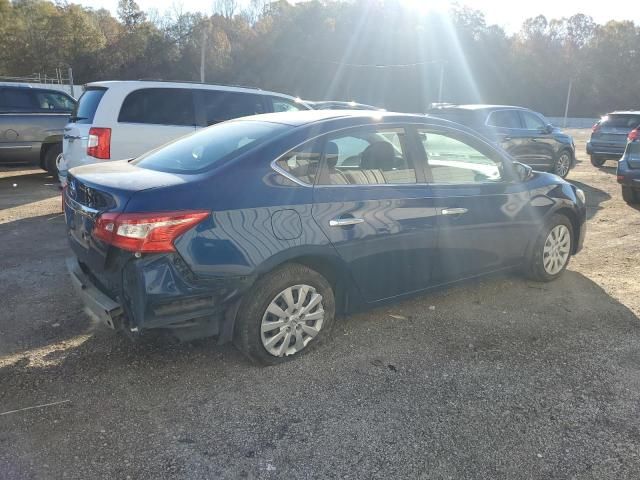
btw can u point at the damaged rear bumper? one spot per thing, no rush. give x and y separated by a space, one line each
96 304
155 293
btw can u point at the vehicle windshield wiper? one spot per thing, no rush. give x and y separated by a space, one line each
75 118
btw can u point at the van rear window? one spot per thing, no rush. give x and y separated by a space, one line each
87 105
202 150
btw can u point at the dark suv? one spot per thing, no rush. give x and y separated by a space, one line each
525 134
609 136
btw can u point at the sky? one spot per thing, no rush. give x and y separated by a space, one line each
508 15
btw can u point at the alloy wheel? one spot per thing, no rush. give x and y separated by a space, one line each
556 249
563 164
292 320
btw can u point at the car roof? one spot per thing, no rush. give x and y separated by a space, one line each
479 107
308 117
131 85
625 112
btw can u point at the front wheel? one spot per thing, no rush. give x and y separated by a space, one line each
551 251
629 195
563 164
597 161
287 312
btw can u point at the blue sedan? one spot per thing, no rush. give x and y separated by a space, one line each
261 230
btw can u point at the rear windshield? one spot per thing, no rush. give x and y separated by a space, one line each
203 149
621 121
87 105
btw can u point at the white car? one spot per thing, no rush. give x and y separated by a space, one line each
118 120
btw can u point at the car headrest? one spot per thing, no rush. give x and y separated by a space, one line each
378 155
331 154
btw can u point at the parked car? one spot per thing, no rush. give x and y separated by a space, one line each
261 230
526 135
123 119
628 174
609 136
31 124
333 105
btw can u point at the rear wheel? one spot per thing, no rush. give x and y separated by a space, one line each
597 161
551 251
563 164
287 312
630 195
50 156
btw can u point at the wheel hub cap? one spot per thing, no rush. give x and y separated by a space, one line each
293 318
556 249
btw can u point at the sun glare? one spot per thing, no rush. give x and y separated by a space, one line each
425 7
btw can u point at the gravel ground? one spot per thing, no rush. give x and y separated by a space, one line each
500 378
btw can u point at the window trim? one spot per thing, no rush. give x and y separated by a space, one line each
507 177
517 112
195 117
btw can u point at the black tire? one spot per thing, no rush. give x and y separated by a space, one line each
597 161
534 267
630 195
247 335
562 164
50 156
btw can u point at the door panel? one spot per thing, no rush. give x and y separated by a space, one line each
390 242
484 220
538 149
370 203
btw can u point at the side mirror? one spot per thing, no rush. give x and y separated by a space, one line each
522 171
548 128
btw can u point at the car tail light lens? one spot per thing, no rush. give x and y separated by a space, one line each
145 232
595 128
634 135
99 145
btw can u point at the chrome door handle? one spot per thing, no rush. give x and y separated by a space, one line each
454 211
345 222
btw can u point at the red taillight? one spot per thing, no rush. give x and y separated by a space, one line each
99 145
595 128
634 135
145 232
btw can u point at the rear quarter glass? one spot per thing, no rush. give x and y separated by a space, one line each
214 145
88 105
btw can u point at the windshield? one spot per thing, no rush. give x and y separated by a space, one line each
621 121
207 147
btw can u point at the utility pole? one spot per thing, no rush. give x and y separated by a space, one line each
441 82
70 74
202 46
566 107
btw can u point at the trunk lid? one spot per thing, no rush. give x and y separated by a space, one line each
94 189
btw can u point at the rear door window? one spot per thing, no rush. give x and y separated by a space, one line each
87 105
504 119
220 106
54 101
17 100
159 106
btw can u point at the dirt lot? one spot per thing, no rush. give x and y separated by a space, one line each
500 378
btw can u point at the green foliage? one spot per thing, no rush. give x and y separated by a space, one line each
375 52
